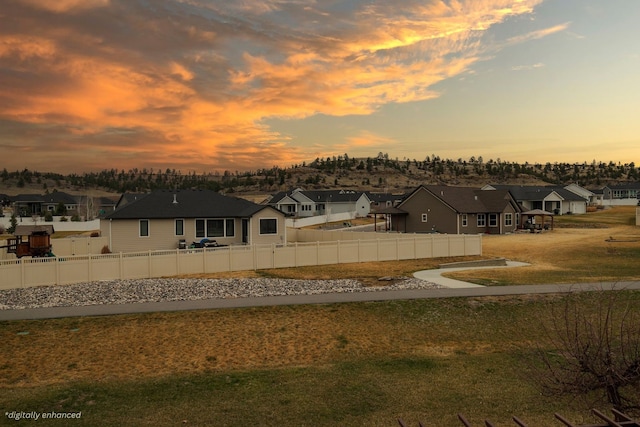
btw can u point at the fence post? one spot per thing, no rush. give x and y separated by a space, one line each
295 254
149 263
378 250
359 249
90 269
121 266
397 249
22 272
57 271
204 261
338 251
230 258
273 255
415 246
255 256
178 260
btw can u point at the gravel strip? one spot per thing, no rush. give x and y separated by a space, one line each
158 290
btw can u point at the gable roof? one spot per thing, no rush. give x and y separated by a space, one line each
468 199
319 196
536 192
166 204
59 197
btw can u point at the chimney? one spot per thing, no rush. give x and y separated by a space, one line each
175 199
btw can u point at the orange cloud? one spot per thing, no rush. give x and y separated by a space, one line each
191 82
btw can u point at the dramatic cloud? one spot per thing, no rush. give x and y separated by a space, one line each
189 83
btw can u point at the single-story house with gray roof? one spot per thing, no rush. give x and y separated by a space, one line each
166 219
555 199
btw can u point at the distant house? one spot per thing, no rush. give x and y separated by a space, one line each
556 200
592 197
384 200
166 219
621 194
300 203
27 204
56 201
456 210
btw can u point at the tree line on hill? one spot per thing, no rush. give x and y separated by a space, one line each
432 168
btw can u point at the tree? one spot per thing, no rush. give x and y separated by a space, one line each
14 223
595 349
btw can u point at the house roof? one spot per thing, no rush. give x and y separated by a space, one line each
320 196
27 198
624 186
470 200
164 204
26 230
537 192
59 197
384 197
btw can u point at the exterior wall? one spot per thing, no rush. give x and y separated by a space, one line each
88 268
638 216
576 207
124 235
254 228
440 217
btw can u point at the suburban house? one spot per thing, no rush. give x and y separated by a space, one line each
556 200
621 194
593 198
61 203
167 219
301 203
384 200
455 210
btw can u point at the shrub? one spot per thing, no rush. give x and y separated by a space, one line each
2 229
48 217
64 219
75 218
105 250
95 234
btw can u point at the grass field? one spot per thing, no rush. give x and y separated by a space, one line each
363 364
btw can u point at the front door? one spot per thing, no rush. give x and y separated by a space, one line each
245 231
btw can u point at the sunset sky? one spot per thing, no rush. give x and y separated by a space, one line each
204 85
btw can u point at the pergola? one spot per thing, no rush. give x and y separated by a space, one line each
387 213
534 213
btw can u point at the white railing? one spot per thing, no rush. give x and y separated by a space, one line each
63 270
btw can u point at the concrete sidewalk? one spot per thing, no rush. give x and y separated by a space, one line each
435 275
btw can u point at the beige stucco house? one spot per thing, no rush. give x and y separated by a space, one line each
170 219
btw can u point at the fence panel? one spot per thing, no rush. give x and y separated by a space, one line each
105 267
39 271
163 263
136 265
73 269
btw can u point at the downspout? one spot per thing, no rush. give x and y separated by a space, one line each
110 242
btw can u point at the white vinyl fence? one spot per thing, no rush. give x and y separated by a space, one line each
62 270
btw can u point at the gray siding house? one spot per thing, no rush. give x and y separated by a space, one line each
456 210
165 219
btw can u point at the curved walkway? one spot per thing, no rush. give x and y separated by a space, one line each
435 275
107 310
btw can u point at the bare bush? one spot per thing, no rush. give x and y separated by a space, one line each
105 250
593 349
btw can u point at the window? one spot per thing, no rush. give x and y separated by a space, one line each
144 228
464 220
200 228
508 219
179 227
424 217
230 228
493 220
214 228
482 221
268 226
